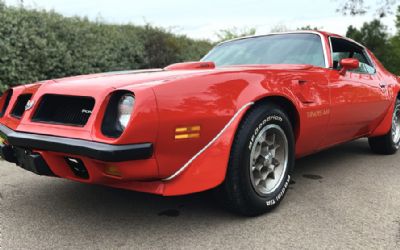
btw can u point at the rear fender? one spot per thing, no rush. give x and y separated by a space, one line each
386 124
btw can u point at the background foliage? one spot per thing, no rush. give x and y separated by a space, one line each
37 45
386 47
374 35
360 7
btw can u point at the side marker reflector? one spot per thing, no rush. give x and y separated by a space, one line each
187 132
112 170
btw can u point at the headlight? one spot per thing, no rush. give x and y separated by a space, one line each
118 113
125 108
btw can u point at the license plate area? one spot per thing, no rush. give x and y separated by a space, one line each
31 161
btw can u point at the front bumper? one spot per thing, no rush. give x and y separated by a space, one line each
26 159
94 150
130 167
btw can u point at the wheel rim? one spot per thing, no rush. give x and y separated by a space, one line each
396 125
268 159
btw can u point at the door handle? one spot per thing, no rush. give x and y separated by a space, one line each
299 82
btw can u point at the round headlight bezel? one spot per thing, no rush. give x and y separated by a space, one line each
111 125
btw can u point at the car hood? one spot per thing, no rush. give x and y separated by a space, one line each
120 79
115 80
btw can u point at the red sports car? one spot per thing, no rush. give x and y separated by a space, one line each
235 121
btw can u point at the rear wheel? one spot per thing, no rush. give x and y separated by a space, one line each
389 143
261 161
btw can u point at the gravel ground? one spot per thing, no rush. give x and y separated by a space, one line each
342 198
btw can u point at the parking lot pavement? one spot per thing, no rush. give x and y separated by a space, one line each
345 197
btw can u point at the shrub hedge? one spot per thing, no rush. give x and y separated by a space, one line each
39 44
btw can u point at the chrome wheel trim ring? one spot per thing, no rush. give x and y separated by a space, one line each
396 125
268 159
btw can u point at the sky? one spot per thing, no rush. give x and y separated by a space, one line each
202 19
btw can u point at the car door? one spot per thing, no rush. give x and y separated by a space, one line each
358 98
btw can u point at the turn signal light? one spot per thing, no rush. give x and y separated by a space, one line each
187 132
113 170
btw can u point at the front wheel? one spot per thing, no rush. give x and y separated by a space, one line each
390 143
261 161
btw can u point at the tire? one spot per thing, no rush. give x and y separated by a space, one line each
240 192
390 143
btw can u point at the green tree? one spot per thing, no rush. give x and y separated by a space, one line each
397 22
360 7
232 33
308 27
394 41
280 27
37 45
373 35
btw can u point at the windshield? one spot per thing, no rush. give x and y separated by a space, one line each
294 48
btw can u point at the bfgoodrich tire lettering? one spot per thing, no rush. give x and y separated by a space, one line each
242 190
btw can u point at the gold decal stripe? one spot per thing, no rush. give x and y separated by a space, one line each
318 113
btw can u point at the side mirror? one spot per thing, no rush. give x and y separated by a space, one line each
348 64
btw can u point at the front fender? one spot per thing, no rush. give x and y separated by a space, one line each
206 169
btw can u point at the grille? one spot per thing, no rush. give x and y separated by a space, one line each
19 107
66 110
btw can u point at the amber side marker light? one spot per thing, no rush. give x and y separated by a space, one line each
113 171
187 132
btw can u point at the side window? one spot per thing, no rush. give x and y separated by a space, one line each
365 65
342 48
337 56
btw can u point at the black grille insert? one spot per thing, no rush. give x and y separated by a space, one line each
66 110
19 107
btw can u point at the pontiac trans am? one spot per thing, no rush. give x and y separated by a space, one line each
234 122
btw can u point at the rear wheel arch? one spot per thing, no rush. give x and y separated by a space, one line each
388 143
